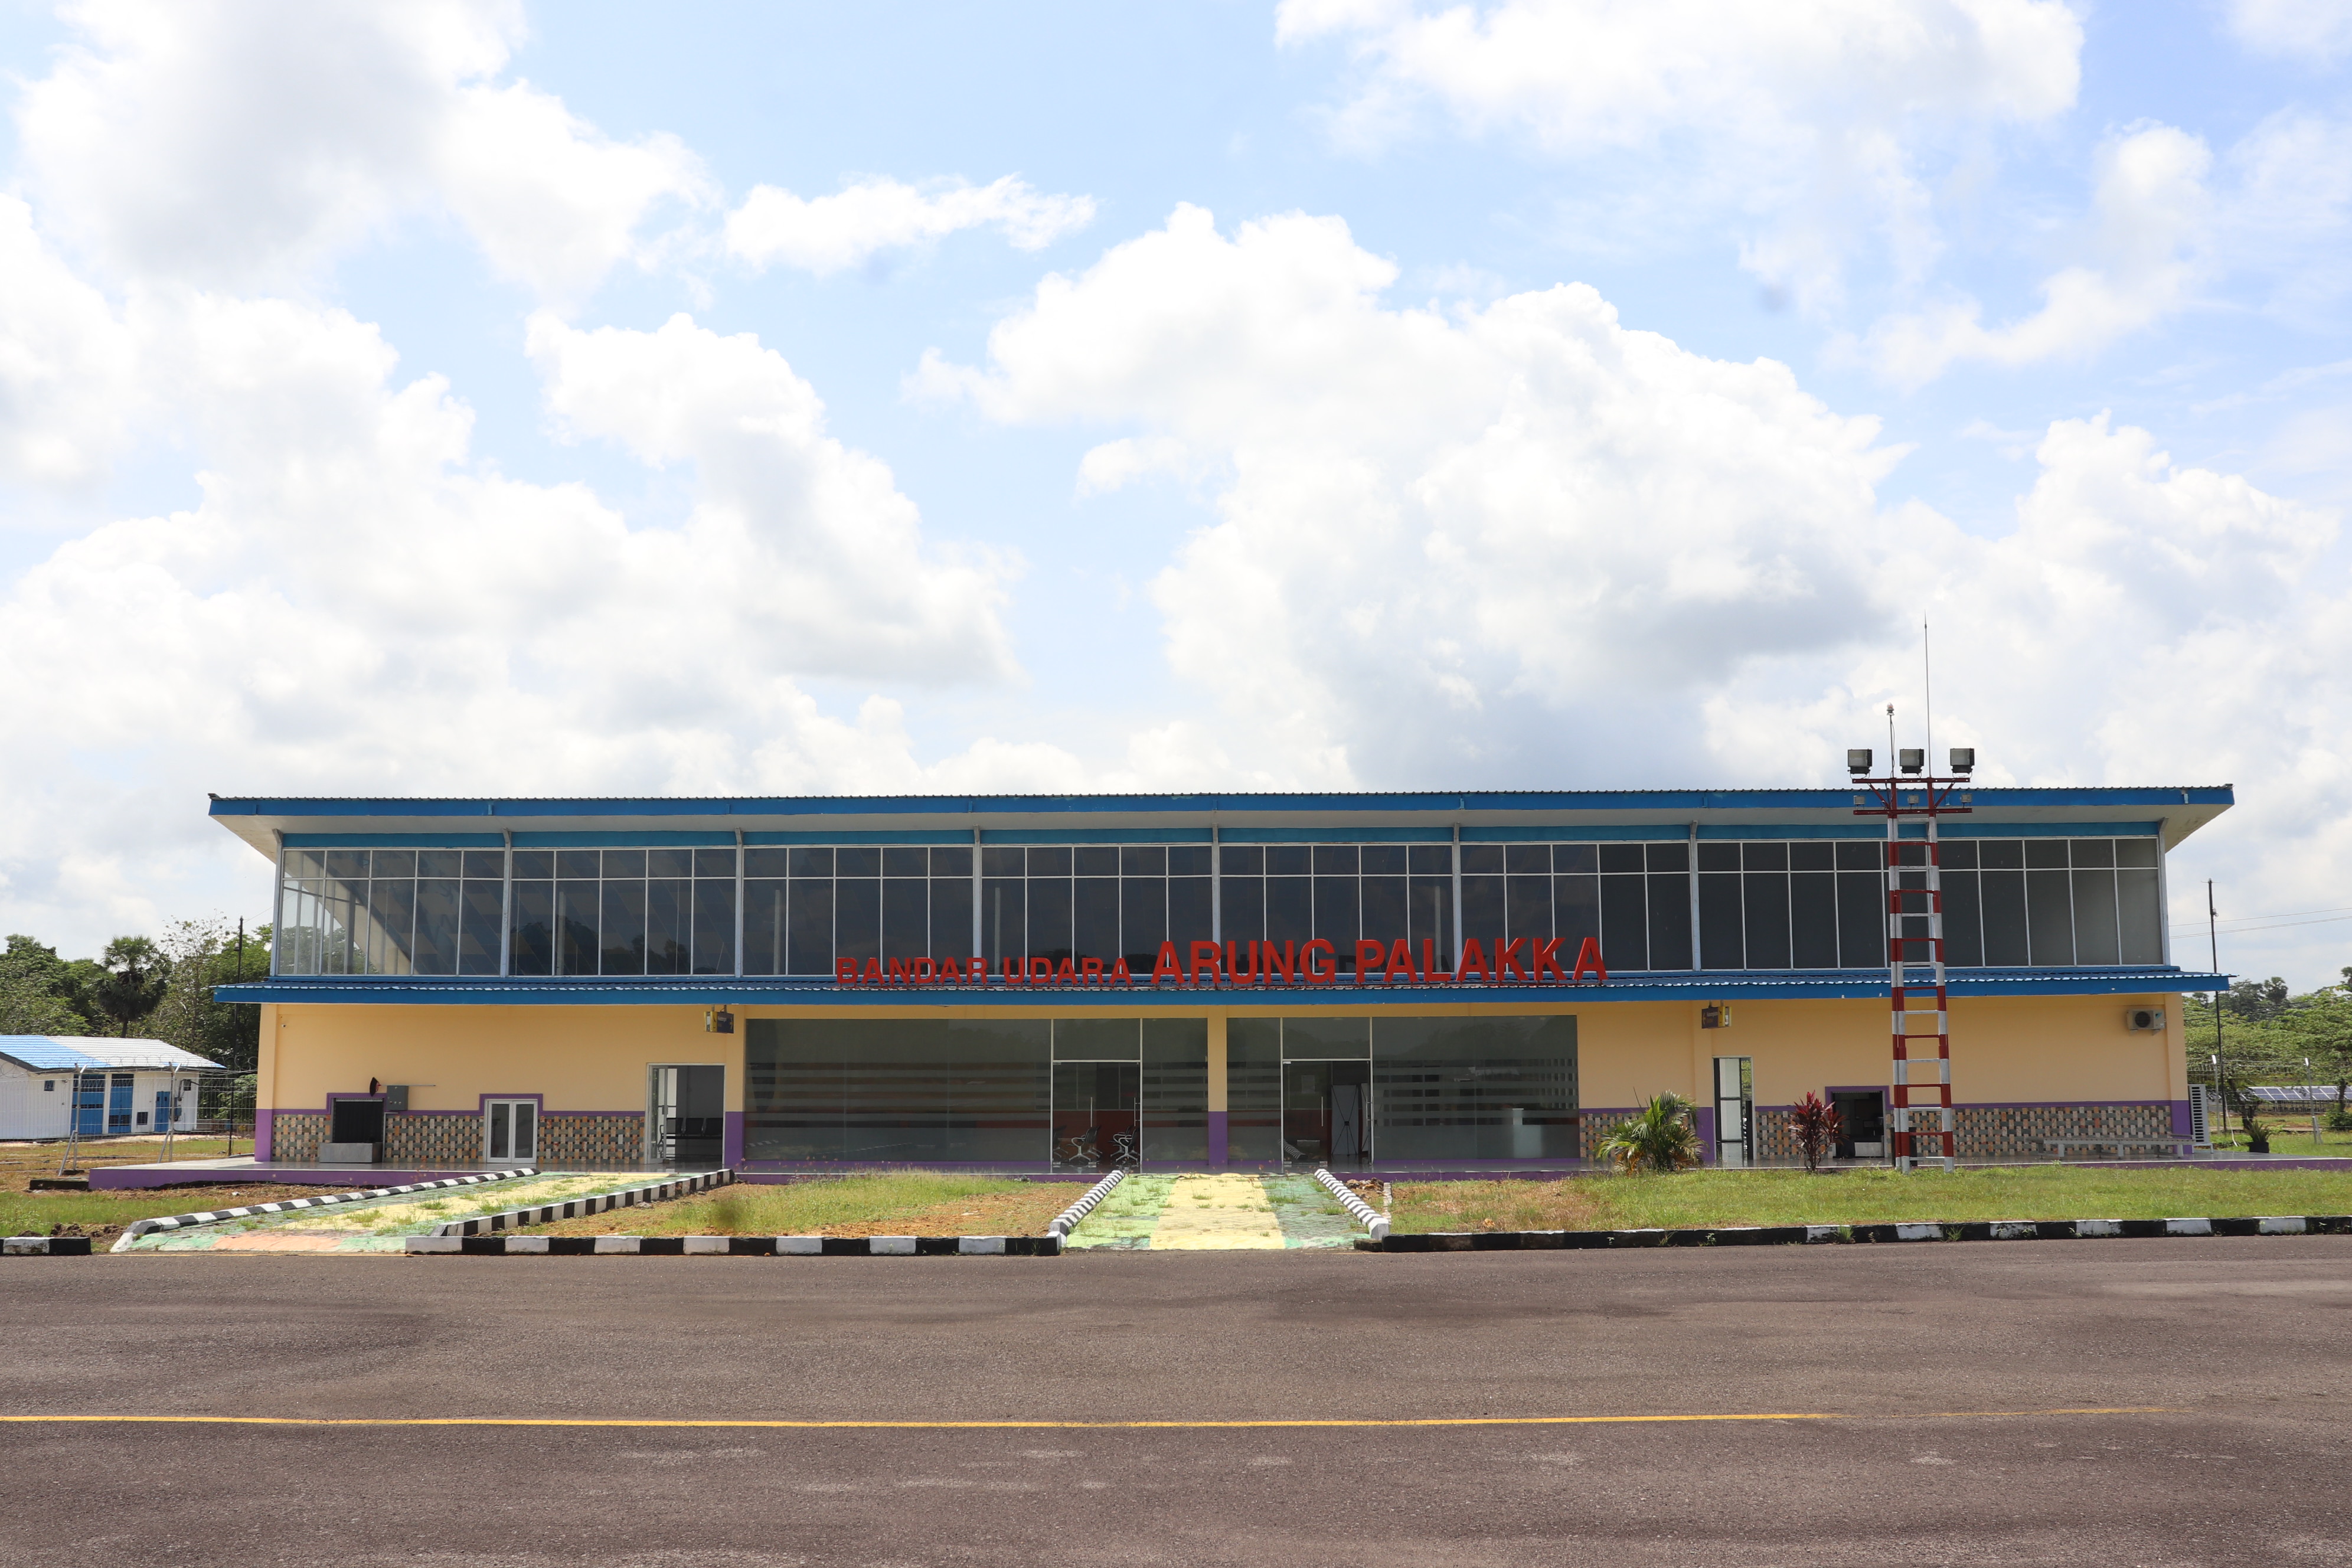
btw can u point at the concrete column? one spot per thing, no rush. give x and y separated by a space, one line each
1216 1089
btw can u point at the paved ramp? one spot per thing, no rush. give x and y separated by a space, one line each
1217 1214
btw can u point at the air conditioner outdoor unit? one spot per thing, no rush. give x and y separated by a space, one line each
2144 1020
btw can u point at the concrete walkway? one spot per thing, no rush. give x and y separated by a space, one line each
1217 1214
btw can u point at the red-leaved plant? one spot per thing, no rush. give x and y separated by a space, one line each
1816 1127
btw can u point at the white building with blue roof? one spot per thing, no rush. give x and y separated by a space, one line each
96 1086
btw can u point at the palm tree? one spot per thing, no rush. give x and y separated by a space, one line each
1661 1138
136 974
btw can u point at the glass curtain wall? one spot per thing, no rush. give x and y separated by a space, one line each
623 911
1341 893
806 908
1106 902
1635 898
390 911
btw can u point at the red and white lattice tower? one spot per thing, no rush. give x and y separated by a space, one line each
1915 956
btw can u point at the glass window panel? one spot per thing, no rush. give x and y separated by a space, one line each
1189 906
1764 904
1142 919
477 933
1719 858
2140 913
996 862
1575 912
578 864
1383 914
395 863
1960 853
623 943
2096 938
1431 860
669 925
2042 852
1143 860
1289 860
909 1090
1862 917
486 864
1666 856
1518 858
901 862
1188 860
1176 1090
625 862
668 863
1095 860
1670 928
1721 943
1575 858
715 863
534 950
1860 855
2090 852
577 914
857 917
1625 923
1380 859
1621 857
1337 918
906 917
1764 857
714 926
1094 917
1050 934
438 862
1002 917
1527 907
1474 1088
1812 854
2000 854
1241 859
1335 859
952 917
305 863
952 860
1812 917
1289 909
1253 1091
1429 903
392 909
856 862
796 861
806 923
1963 919
347 862
2134 851
1481 909
437 919
2049 912
1097 1039
1315 1039
1049 862
2002 895
1244 911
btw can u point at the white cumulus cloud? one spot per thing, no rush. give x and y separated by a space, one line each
2313 32
876 217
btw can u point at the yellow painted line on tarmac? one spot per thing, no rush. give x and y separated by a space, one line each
1072 1425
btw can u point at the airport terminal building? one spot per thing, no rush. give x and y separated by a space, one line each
1407 981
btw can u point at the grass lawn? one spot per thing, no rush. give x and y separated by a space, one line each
1697 1198
894 1202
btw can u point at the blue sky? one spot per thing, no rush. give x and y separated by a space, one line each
1527 393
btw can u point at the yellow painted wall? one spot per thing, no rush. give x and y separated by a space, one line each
2037 1049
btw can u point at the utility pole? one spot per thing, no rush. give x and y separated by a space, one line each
2213 939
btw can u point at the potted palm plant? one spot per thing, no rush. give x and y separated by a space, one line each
1661 1138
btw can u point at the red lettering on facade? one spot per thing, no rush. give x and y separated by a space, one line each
1589 955
1063 972
1401 957
845 971
1118 971
1430 968
1233 970
1287 960
1548 957
1474 962
1205 955
1512 957
1090 971
1166 964
900 973
1041 971
1368 958
1326 969
872 974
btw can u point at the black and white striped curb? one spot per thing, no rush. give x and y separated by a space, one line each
1067 1220
45 1247
576 1209
1798 1235
1371 1218
289 1206
738 1246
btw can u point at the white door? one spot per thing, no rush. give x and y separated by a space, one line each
510 1130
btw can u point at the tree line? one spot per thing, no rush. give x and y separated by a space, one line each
153 987
2262 1033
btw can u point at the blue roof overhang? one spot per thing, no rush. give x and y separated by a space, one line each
717 991
2172 812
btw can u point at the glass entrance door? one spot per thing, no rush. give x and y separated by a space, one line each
1327 1114
688 1124
1734 1110
510 1130
1095 1124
